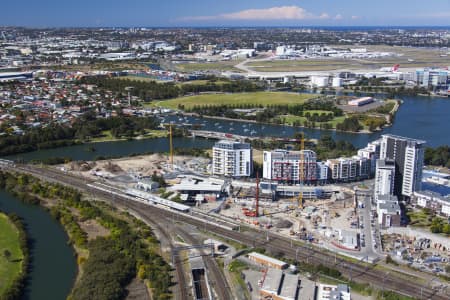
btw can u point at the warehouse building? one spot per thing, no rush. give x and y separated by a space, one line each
278 285
267 261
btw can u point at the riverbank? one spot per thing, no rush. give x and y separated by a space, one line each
108 137
100 235
14 256
364 131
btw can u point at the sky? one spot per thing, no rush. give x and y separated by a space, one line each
174 13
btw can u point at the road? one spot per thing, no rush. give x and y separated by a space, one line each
362 273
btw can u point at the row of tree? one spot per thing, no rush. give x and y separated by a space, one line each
439 156
152 90
129 251
87 127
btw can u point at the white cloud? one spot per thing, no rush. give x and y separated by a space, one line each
273 13
356 17
338 17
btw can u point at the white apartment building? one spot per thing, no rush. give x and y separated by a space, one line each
372 153
384 178
348 169
232 159
283 165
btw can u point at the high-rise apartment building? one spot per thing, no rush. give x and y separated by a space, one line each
408 156
384 178
232 159
283 165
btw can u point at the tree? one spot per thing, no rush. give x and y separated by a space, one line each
7 254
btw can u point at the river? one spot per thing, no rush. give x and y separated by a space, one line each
418 117
53 264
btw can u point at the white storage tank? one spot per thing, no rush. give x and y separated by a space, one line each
337 82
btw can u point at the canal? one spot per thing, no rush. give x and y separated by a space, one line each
53 264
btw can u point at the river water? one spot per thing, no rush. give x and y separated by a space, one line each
418 117
53 264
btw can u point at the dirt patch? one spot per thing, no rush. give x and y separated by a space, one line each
93 229
137 290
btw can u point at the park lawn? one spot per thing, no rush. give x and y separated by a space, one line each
316 111
256 98
290 119
336 121
418 218
9 240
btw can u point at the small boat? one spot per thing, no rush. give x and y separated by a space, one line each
245 130
216 124
231 128
252 132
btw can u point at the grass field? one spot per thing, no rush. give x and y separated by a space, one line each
258 98
290 119
9 240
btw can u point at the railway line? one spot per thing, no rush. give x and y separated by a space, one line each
357 272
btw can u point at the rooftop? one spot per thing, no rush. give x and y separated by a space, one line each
402 138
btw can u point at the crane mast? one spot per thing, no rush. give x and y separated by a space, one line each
301 171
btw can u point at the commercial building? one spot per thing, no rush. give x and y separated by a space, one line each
284 166
333 292
360 101
408 156
384 178
432 78
232 159
348 239
267 261
278 285
388 210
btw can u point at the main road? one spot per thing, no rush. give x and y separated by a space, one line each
359 272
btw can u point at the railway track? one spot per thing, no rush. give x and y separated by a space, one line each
214 272
276 244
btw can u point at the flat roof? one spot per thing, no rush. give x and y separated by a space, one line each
272 280
290 287
267 258
388 135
